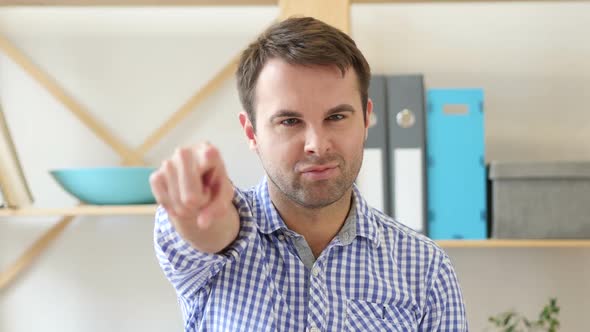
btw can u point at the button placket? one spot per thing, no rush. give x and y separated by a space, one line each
315 271
317 305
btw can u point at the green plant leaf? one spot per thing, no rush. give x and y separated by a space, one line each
512 321
507 318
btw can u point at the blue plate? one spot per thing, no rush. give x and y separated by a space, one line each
107 185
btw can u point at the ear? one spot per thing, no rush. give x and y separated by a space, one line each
368 117
248 130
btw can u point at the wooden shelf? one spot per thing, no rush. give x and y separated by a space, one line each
458 1
514 243
119 3
150 209
111 210
82 210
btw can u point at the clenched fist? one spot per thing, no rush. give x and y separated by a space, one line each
195 190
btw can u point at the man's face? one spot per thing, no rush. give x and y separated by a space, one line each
310 131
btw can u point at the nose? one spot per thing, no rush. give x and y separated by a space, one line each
317 142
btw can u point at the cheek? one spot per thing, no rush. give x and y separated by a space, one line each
288 153
351 143
279 151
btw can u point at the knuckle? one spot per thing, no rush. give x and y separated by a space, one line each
189 200
181 154
205 223
181 211
168 166
184 153
206 150
154 178
212 152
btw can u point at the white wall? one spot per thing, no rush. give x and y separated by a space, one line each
133 67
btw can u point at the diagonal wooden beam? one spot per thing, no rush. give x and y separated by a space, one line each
29 256
130 156
212 85
76 108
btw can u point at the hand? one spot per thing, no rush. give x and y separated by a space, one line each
195 190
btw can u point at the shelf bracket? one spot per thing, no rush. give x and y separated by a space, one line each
60 94
28 257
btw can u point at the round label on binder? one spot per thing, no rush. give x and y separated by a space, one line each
405 118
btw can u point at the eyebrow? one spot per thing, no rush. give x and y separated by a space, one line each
340 108
293 114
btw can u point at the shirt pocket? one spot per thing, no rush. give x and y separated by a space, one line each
369 316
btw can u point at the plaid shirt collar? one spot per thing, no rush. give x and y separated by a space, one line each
360 221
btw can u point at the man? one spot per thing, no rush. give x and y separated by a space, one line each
302 251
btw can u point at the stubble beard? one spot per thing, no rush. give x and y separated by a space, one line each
316 194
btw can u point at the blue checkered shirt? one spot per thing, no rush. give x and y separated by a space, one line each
375 275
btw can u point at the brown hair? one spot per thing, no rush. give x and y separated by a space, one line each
301 41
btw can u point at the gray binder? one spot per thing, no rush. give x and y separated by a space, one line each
406 137
373 179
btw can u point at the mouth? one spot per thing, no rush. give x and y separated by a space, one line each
318 168
320 172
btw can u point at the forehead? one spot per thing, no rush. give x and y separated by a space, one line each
282 85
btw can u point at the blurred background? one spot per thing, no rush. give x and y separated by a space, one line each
132 67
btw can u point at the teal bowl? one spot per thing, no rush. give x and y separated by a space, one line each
107 185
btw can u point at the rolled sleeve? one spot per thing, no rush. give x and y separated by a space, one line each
187 268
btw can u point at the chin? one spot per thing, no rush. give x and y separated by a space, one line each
318 200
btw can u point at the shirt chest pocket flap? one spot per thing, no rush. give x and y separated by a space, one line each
368 316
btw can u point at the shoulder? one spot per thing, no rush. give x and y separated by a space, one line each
250 207
245 199
400 232
408 245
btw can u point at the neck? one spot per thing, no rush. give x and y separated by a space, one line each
318 225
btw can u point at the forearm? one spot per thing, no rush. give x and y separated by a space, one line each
187 268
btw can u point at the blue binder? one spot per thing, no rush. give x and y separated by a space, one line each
457 203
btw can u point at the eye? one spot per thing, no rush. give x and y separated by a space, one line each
336 117
290 122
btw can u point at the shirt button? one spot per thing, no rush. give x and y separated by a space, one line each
315 272
281 237
314 329
345 236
